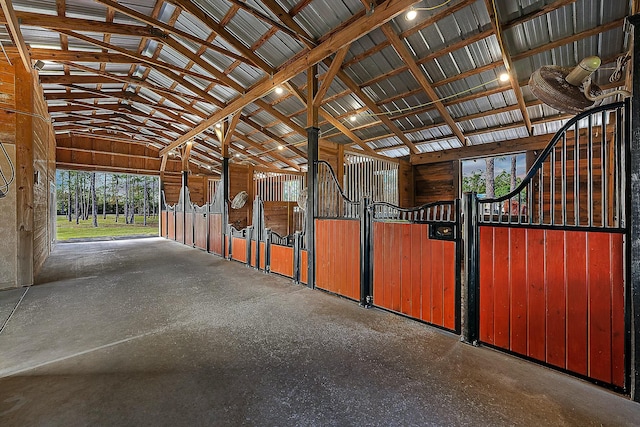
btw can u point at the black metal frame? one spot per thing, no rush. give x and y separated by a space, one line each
436 214
474 218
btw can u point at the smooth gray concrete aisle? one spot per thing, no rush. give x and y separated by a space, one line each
150 332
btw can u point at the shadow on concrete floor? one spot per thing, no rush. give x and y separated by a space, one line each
150 332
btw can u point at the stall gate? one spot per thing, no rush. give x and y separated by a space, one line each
416 261
551 254
337 235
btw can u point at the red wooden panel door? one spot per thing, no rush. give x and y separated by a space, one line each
188 229
414 275
180 227
215 233
239 249
163 224
304 266
565 294
200 231
171 226
282 260
338 257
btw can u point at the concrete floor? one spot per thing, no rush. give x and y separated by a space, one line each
150 332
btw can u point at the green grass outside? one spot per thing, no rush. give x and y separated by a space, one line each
106 227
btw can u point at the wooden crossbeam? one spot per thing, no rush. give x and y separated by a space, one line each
385 12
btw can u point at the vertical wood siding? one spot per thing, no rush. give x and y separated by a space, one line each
239 249
200 231
215 233
180 227
555 296
171 225
282 260
413 274
338 257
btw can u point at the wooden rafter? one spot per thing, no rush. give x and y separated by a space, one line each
169 29
388 10
14 29
508 65
336 64
417 73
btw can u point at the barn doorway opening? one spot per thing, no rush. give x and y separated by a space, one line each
102 205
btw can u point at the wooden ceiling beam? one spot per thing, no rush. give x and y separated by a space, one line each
567 40
195 10
330 119
331 73
14 30
78 56
135 57
271 153
129 80
169 29
508 64
417 73
52 22
537 13
286 19
385 12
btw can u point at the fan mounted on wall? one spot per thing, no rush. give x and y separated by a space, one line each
239 200
569 90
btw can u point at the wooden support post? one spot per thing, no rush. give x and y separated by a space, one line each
633 214
312 158
24 175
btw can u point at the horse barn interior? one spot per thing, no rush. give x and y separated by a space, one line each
311 157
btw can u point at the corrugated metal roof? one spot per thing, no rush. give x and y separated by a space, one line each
381 74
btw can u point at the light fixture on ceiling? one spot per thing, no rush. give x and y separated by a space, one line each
412 13
504 77
279 90
353 118
39 65
218 125
280 147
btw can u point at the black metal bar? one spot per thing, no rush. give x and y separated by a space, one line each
185 185
296 257
576 176
470 289
604 160
365 254
633 212
564 179
312 202
230 242
590 170
459 257
225 206
267 250
248 237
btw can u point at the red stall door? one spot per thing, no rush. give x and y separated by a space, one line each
555 296
338 256
413 274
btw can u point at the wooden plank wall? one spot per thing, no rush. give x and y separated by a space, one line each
215 234
414 275
44 165
406 185
278 217
8 211
338 257
555 296
27 220
240 179
282 260
436 182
